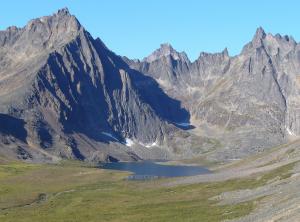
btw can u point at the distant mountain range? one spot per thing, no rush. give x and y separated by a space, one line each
64 94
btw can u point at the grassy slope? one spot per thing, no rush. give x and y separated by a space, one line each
71 192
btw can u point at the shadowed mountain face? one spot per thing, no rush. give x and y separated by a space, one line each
64 94
11 126
77 98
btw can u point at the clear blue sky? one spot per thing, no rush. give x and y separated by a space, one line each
136 27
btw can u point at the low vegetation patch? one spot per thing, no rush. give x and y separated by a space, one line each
74 192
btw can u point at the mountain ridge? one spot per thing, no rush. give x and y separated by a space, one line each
75 98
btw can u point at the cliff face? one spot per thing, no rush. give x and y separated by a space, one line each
64 94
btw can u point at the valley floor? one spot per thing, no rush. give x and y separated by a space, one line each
260 188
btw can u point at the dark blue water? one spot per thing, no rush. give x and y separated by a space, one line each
151 170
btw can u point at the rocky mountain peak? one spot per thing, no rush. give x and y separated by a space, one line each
165 50
62 16
224 53
273 44
214 57
43 32
12 28
63 11
257 40
260 33
258 37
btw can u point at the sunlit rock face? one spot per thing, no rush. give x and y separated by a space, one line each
249 101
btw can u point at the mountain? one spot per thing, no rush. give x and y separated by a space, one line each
74 98
248 102
64 94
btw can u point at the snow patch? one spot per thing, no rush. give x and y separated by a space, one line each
291 133
184 124
148 145
129 142
151 145
110 135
